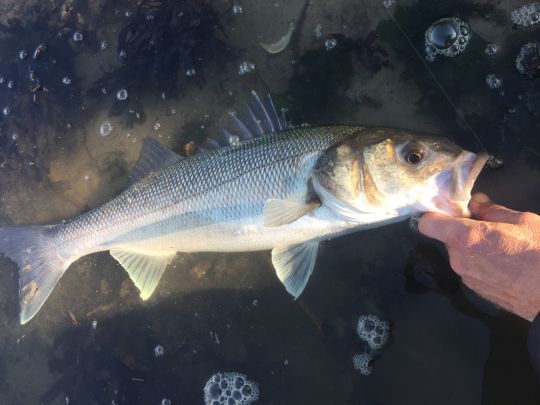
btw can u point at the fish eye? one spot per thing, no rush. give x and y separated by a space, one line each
413 155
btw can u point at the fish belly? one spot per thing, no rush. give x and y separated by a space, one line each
195 234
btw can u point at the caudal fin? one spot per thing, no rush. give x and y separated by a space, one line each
40 263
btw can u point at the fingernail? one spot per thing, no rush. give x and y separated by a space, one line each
413 223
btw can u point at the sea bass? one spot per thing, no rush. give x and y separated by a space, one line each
272 188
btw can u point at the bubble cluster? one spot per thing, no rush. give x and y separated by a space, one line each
363 363
105 129
77 36
246 67
528 59
491 49
236 9
122 94
230 389
373 331
330 44
527 15
159 350
447 37
493 81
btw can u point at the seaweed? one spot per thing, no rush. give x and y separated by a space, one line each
321 76
36 105
165 44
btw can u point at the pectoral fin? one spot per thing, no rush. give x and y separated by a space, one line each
145 270
294 265
282 212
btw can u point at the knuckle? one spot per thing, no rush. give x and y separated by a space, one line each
527 218
470 237
455 239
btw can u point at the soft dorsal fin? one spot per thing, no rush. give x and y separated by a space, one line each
153 156
144 269
294 264
282 212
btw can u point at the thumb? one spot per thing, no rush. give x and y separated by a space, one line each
485 210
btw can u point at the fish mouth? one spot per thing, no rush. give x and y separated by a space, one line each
468 167
456 185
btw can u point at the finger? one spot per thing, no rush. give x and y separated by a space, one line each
485 210
447 229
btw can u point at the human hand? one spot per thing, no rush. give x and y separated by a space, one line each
497 255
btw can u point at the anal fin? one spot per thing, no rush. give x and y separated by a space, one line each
294 264
144 269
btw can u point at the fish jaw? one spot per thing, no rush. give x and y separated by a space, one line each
449 192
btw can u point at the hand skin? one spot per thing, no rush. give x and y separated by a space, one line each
497 255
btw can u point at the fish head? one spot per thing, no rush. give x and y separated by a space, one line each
397 172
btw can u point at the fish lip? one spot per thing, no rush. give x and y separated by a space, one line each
468 168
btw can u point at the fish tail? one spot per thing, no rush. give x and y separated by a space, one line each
41 264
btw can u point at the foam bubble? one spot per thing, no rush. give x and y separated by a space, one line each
527 15
446 37
373 331
230 388
363 363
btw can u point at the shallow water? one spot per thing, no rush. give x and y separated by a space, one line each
228 312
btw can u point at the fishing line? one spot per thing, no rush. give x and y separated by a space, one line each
531 150
459 114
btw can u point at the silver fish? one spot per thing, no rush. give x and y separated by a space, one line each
283 190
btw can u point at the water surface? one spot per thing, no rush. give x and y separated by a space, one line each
228 312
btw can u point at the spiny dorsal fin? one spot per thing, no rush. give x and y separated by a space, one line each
294 265
259 118
153 156
282 212
144 269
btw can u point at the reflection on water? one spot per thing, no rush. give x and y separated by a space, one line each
83 83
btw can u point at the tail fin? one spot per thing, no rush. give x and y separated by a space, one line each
40 264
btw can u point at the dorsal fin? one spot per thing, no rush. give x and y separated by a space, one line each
259 118
153 156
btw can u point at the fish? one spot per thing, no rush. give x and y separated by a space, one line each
262 185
